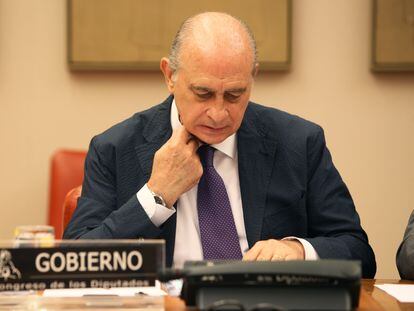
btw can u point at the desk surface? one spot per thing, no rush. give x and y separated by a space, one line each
372 299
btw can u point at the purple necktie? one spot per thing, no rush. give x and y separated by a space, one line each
218 232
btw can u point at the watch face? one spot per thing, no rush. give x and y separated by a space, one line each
158 200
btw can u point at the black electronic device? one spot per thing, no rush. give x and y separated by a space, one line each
280 285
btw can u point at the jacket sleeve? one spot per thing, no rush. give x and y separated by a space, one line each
334 225
405 253
98 215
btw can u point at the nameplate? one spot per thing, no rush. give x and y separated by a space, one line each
80 264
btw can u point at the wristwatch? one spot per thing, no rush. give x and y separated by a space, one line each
158 199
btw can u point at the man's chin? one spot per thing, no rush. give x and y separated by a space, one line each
211 139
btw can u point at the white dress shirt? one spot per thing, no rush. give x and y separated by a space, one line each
187 235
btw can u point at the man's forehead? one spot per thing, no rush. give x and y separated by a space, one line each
221 61
201 73
220 67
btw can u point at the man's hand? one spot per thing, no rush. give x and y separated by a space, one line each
273 250
177 167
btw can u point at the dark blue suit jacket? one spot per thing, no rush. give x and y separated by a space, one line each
288 183
405 253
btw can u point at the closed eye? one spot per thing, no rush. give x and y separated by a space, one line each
231 97
205 95
201 92
234 95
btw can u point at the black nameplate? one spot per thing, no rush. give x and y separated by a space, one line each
81 264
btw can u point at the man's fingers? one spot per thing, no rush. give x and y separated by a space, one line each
253 253
292 257
250 256
182 136
186 137
264 256
272 250
193 144
278 257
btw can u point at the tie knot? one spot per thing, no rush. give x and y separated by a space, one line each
206 153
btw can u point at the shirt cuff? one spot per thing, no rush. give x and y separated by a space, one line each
310 252
156 212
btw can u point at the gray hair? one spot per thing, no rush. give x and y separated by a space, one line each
183 33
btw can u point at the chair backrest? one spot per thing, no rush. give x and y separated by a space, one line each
70 203
66 173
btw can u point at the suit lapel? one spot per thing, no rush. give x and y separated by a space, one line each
156 134
256 153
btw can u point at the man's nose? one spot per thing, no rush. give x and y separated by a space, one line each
218 112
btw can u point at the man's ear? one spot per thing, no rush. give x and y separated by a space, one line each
255 70
168 73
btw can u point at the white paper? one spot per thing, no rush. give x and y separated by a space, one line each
155 291
174 287
402 292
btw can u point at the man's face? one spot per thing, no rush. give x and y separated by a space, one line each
212 95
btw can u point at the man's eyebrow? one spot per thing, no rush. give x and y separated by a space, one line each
206 89
200 88
237 90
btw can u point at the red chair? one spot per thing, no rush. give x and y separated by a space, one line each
66 174
70 204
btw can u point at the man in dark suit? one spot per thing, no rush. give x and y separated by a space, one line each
405 253
266 176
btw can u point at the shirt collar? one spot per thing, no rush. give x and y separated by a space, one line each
227 146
